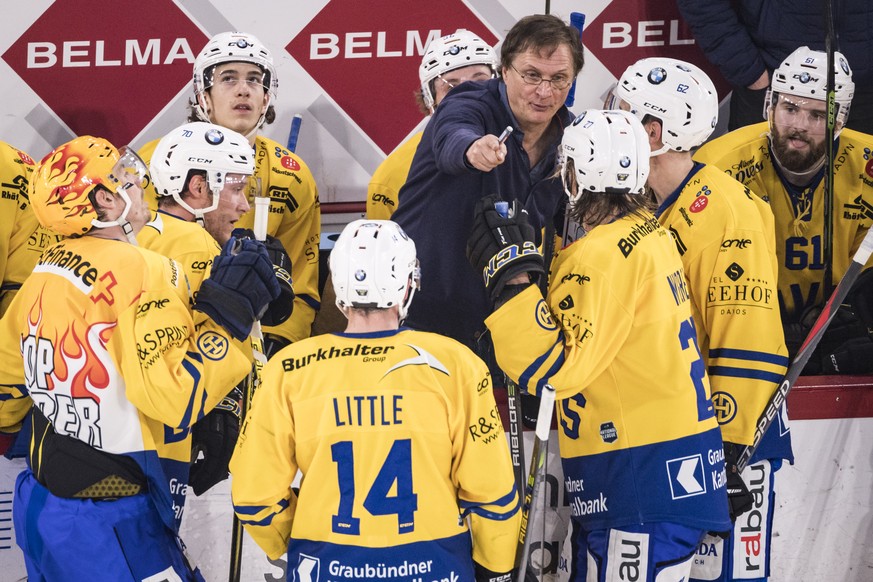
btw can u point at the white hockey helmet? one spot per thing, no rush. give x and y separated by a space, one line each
804 73
453 51
199 146
680 94
232 47
610 153
373 264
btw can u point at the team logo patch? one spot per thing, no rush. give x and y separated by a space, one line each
699 204
544 316
289 163
657 76
214 137
608 432
686 477
213 346
725 407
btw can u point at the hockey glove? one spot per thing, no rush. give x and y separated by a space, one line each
280 308
212 443
739 499
273 343
240 287
483 574
502 247
844 347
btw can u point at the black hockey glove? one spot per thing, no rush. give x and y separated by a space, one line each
239 288
483 574
502 247
739 499
273 343
845 347
280 309
213 439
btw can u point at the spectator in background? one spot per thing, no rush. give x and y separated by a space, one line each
748 39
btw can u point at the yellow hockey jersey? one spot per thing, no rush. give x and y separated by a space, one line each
22 239
397 435
799 213
187 243
101 338
615 338
388 178
294 219
725 237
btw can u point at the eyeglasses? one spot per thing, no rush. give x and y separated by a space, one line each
558 82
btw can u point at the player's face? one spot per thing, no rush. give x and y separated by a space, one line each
237 98
798 131
534 104
232 204
448 81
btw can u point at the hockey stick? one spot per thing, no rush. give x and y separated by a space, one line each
809 344
294 133
828 235
577 21
534 476
262 210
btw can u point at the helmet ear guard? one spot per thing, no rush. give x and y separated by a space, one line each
373 265
679 94
606 151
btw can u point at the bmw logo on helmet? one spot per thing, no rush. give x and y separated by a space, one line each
360 275
242 43
624 162
845 66
804 77
214 137
657 76
455 49
579 119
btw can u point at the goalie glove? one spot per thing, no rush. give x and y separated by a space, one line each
501 247
739 498
213 439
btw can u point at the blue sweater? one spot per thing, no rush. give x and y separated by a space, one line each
436 203
756 34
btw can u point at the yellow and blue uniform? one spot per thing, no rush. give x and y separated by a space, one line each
102 340
725 238
294 218
384 186
745 155
637 431
22 239
397 435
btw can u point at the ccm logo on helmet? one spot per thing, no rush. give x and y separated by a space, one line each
199 160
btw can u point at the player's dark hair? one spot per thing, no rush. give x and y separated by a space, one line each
543 33
92 197
593 208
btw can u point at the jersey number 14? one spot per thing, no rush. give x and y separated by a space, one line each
397 468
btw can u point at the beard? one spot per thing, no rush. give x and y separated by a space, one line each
792 159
